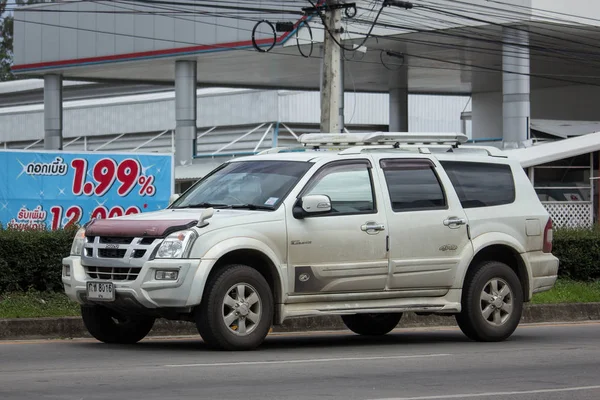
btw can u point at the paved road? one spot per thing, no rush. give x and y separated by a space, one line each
549 362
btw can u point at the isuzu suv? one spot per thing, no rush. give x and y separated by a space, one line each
364 226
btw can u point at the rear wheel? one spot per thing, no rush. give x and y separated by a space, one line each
237 310
108 326
492 303
372 324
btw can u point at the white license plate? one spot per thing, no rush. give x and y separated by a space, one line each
104 291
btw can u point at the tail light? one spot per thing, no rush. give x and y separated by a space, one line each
548 237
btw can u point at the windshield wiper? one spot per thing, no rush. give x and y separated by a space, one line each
250 207
204 205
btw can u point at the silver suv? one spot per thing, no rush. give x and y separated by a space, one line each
364 226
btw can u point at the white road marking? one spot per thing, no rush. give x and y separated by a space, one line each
306 361
490 394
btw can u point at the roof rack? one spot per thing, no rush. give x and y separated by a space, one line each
368 138
355 143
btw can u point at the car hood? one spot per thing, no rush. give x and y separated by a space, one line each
163 222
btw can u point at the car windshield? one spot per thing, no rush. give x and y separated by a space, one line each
257 185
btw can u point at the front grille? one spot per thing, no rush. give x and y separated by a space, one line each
138 253
115 240
117 258
113 273
111 253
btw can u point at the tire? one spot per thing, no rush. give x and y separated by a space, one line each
111 327
372 324
216 318
491 312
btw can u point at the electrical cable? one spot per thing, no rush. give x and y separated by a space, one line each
255 45
311 39
479 33
188 11
497 24
438 60
381 52
547 11
540 49
333 37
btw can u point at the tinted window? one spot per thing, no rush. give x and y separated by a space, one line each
347 185
481 184
259 183
413 185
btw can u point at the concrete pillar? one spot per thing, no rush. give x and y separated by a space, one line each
342 104
53 112
398 110
398 97
515 88
185 111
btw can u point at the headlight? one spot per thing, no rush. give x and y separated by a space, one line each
77 246
176 245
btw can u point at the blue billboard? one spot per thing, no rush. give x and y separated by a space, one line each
53 190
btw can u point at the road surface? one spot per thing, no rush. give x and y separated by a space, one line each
549 362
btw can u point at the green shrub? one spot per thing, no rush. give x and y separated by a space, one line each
579 253
33 259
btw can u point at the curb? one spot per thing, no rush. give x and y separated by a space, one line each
72 327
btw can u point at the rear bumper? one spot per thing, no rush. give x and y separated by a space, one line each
544 270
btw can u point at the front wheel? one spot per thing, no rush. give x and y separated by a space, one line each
111 327
372 324
492 303
237 309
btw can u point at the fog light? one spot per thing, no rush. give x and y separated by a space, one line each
166 275
66 270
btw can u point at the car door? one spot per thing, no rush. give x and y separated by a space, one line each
427 225
343 250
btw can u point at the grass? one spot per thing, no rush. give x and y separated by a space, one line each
567 291
38 304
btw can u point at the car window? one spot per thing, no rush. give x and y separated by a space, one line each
481 184
413 185
257 183
349 186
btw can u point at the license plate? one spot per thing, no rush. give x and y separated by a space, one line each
104 291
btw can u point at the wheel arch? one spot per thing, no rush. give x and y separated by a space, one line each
247 251
506 254
255 259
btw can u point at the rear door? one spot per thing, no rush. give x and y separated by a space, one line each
427 225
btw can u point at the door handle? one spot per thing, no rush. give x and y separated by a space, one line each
454 222
372 227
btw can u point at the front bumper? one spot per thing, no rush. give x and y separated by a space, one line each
145 290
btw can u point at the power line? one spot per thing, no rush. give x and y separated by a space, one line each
490 69
547 11
516 28
480 37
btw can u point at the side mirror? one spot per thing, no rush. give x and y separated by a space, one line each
312 205
173 197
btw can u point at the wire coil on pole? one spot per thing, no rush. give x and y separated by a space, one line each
255 45
311 39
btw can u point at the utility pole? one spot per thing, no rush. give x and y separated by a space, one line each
332 70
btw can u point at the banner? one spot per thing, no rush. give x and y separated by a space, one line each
52 190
